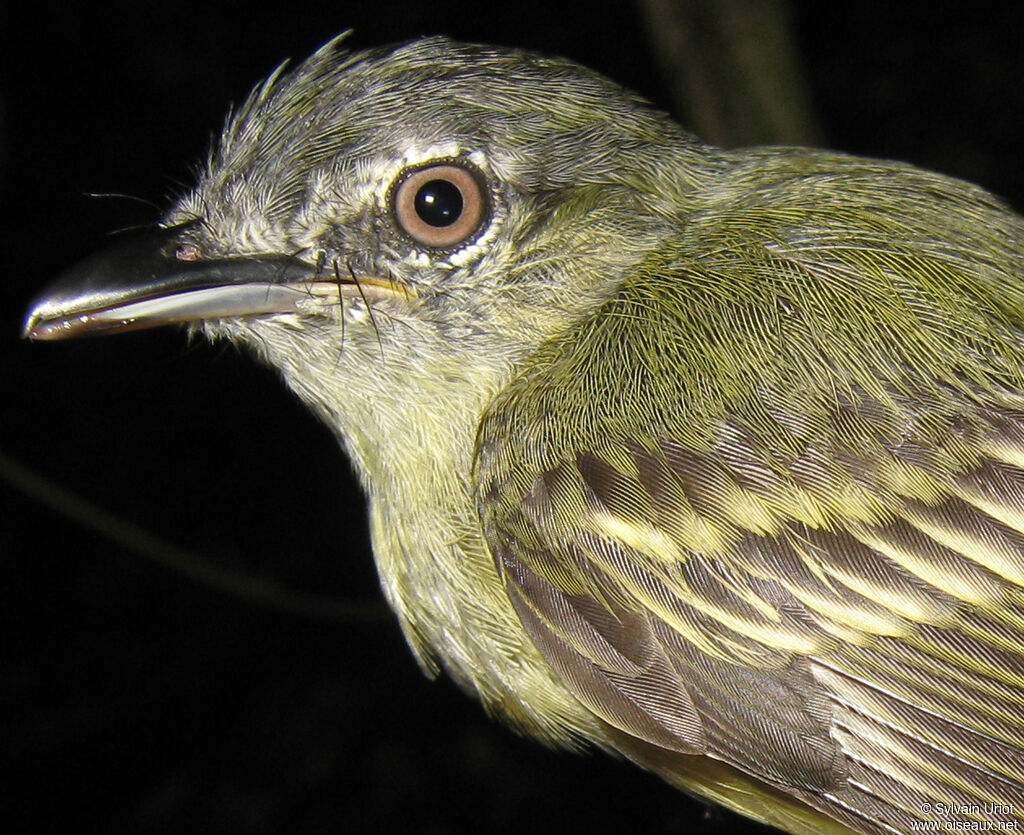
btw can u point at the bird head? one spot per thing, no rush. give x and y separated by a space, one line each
412 216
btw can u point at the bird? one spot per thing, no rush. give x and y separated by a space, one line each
712 459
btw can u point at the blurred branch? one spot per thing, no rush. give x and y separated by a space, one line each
255 590
732 70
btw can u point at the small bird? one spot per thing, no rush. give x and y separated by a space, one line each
711 458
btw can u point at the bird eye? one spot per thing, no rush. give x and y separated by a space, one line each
440 205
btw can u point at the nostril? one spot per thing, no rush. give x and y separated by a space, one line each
187 252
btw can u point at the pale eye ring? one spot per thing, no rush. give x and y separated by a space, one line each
441 205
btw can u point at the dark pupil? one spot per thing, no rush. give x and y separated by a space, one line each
438 203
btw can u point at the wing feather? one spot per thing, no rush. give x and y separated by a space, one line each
779 528
869 668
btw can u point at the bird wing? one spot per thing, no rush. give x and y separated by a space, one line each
736 535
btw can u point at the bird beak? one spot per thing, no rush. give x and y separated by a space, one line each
150 278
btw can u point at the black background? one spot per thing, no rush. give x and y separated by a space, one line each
137 700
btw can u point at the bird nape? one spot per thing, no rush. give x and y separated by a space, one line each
712 458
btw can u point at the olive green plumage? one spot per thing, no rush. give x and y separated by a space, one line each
712 458
765 502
